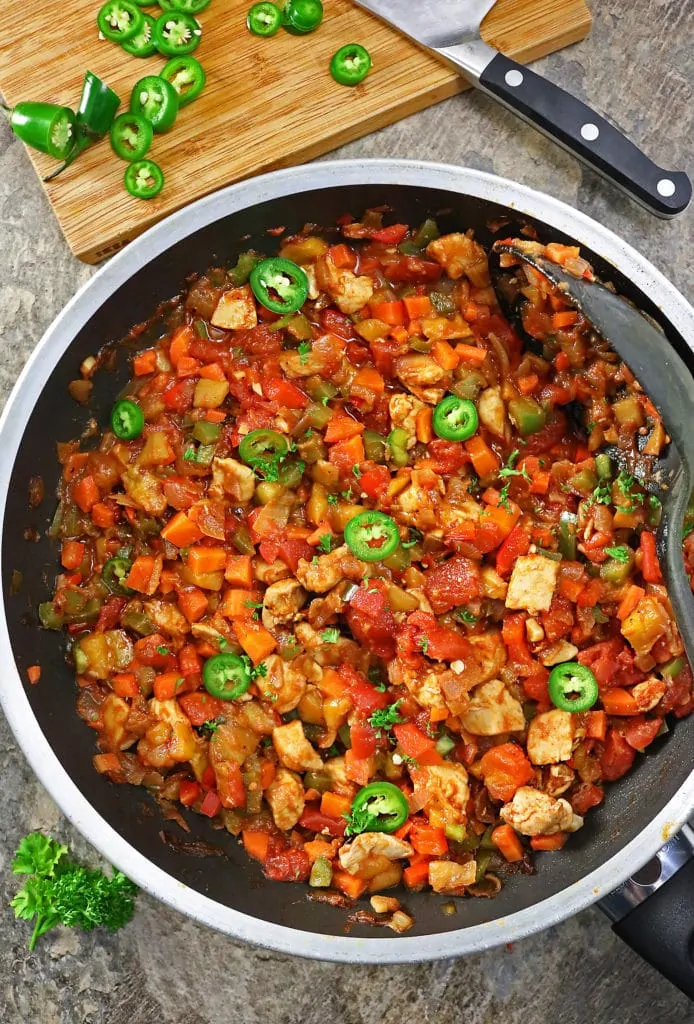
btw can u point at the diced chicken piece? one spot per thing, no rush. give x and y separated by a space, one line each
270 572
448 793
326 653
559 651
336 769
458 254
313 289
646 624
323 357
166 616
487 658
284 684
551 737
231 479
493 585
281 602
163 748
532 583
213 630
492 411
534 631
648 693
403 413
236 310
324 610
423 376
417 504
321 576
424 686
146 489
349 292
293 749
493 710
285 795
533 813
355 856
557 779
449 878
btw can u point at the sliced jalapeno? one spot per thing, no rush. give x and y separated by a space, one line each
156 100
455 419
186 75
119 20
302 16
262 446
127 419
142 43
226 676
188 6
144 179
572 687
264 19
131 136
378 807
351 64
176 33
372 536
115 573
279 285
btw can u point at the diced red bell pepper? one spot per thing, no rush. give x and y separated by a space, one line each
414 743
516 544
391 235
617 757
286 394
314 819
374 481
211 804
364 739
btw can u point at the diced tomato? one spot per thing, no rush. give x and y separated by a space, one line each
364 739
557 622
640 731
505 768
617 757
535 686
178 396
338 323
385 351
287 866
314 819
286 394
414 743
365 697
585 796
371 619
290 550
211 805
374 480
447 456
517 543
422 634
452 583
612 663
201 707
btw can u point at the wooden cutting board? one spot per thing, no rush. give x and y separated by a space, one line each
269 103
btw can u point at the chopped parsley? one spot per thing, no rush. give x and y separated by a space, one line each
190 455
325 542
465 616
325 399
424 644
303 349
356 471
347 495
621 553
332 499
161 649
503 498
209 728
330 636
386 718
508 469
602 494
414 537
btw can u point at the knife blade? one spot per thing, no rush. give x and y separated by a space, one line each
451 30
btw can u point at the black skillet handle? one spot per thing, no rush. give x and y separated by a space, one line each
586 135
659 920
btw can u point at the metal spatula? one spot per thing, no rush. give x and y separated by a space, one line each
451 29
670 386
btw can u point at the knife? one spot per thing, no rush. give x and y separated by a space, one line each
451 30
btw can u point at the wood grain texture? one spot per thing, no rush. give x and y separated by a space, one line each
268 103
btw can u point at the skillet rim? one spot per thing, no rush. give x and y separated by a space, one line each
15 416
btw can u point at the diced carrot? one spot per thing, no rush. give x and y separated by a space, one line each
564 319
168 581
332 684
34 674
341 428
238 571
527 384
74 464
256 641
504 520
140 573
345 454
215 415
368 377
561 361
103 515
181 531
342 256
125 685
471 353
314 538
85 493
483 459
348 884
188 367
189 661
414 328
193 603
238 604
416 875
166 684
202 560
358 769
212 371
429 840
189 791
629 601
145 362
256 844
404 830
414 743
71 554
650 568
438 714
508 843
392 313
596 728
540 482
106 763
417 306
268 771
618 701
423 425
318 848
553 842
334 805
400 334
181 341
570 588
445 355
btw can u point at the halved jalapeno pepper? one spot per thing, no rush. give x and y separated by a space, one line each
156 100
226 676
262 446
302 16
279 285
95 114
46 127
351 64
264 19
378 807
176 33
119 20
572 687
372 536
187 76
114 574
127 419
455 419
144 179
131 136
142 43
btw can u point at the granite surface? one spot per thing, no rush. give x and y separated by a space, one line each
638 68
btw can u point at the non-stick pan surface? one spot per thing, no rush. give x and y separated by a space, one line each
233 879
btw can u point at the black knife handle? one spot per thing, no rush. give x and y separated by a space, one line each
587 135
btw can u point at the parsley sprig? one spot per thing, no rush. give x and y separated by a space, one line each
386 718
61 892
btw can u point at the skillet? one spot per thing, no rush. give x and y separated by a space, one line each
642 811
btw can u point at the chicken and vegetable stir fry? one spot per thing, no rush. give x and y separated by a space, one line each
352 573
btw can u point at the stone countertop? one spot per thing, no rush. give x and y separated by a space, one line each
637 67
